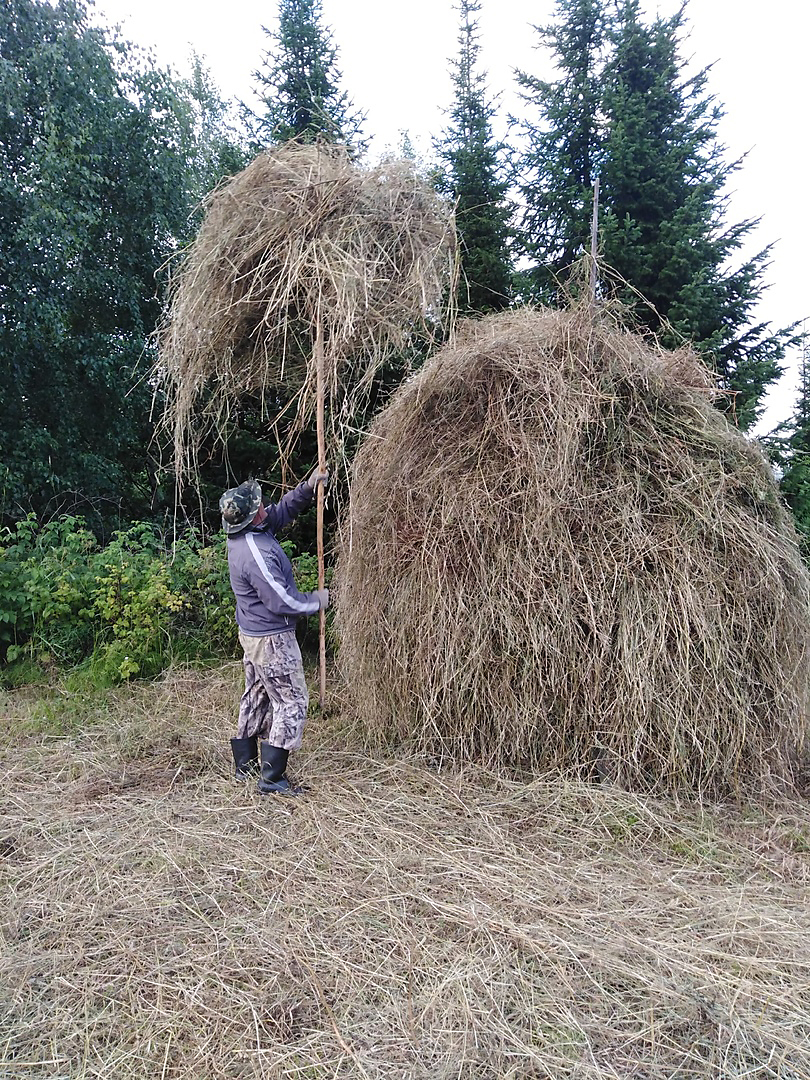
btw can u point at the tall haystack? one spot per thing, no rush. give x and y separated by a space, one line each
559 554
303 254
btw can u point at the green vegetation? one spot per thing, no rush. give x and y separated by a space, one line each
103 158
299 83
623 108
128 608
561 133
474 177
789 446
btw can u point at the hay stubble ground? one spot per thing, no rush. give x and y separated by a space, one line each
160 920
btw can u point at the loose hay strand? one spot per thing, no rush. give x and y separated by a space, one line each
562 556
303 236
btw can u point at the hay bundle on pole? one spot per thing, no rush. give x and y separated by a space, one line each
307 264
560 554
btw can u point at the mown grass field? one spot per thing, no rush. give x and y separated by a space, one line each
404 920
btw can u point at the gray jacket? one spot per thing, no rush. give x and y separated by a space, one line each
267 601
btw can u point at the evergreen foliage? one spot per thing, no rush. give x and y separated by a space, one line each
473 176
299 83
622 108
793 454
563 144
664 229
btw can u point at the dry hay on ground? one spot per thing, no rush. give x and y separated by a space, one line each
302 236
160 920
559 554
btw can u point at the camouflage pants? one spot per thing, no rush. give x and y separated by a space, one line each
274 704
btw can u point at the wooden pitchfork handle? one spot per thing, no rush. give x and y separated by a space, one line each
319 368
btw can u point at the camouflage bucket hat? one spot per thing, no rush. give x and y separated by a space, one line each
238 506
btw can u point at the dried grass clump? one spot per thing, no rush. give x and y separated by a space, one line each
560 554
302 243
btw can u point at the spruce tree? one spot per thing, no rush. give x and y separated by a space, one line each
561 131
792 451
622 108
473 176
663 229
299 82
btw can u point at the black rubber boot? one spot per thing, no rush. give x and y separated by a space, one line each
245 756
272 780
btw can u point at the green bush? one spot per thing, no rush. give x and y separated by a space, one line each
123 610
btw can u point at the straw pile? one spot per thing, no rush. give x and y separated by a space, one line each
161 921
302 242
559 554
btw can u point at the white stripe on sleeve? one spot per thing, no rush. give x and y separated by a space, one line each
306 608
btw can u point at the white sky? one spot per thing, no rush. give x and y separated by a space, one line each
393 56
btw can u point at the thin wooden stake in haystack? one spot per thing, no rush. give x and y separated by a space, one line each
307 270
594 274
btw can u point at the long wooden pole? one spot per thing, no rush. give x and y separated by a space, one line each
594 280
319 366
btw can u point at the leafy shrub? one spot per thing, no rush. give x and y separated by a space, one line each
124 610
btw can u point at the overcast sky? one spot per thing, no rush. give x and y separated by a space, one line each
394 62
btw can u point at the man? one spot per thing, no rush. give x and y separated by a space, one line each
273 708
